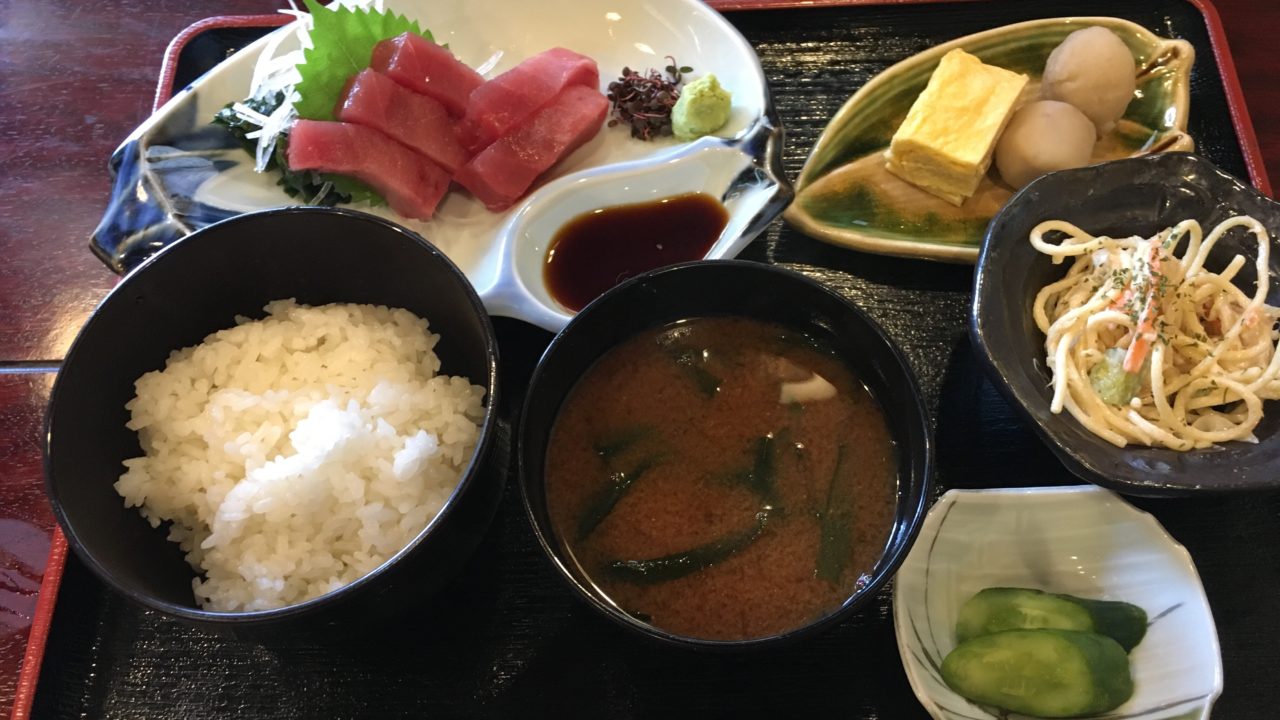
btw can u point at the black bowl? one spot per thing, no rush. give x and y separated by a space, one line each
1138 196
197 286
746 289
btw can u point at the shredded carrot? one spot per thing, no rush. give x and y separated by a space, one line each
1137 353
1146 330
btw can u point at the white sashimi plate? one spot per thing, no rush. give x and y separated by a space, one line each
177 173
1083 541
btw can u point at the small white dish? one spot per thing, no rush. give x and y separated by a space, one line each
1083 541
708 165
177 173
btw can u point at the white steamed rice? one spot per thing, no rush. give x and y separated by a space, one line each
296 453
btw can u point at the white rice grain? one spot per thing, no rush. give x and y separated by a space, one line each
296 453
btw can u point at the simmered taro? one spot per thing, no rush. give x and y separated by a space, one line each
722 478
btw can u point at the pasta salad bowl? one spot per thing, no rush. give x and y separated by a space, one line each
1142 197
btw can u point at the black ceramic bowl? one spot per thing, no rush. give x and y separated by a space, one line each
1139 196
746 289
197 286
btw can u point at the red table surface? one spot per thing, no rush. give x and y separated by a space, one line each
76 77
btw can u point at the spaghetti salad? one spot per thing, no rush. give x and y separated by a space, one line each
1150 347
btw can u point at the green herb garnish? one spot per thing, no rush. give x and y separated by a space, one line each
240 126
310 186
644 102
342 42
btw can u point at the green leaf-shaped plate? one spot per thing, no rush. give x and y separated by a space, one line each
846 197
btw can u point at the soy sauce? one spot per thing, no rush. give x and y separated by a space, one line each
599 249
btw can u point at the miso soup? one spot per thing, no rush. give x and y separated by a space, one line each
722 478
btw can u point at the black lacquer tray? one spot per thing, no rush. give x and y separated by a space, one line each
508 639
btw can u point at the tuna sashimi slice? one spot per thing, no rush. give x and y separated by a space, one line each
425 67
412 184
375 100
502 172
500 105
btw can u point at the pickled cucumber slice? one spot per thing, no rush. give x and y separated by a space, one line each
998 609
1047 673
1121 621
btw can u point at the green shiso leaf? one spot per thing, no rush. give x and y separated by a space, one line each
343 41
354 189
342 44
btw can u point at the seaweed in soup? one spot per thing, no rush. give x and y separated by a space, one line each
723 478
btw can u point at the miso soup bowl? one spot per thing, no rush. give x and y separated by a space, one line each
742 289
198 285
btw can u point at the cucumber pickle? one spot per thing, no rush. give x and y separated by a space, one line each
1044 654
1042 672
1123 622
998 609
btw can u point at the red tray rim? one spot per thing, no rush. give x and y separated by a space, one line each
33 658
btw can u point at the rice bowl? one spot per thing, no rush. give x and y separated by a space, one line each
297 453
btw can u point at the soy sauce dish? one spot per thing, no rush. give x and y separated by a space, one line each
724 455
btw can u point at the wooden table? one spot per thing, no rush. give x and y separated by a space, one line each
76 77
